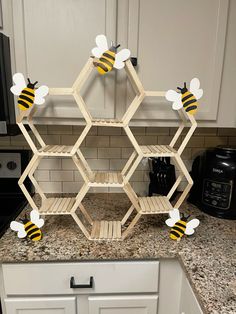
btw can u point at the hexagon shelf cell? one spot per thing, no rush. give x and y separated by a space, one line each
44 149
135 82
100 230
51 205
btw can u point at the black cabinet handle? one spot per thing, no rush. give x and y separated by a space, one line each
134 61
73 285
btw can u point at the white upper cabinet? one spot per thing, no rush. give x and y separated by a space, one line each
174 42
53 41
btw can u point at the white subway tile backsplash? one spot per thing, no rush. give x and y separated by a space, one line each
50 163
117 164
71 187
109 131
61 175
109 152
89 152
59 129
51 187
42 175
78 177
68 164
99 164
97 141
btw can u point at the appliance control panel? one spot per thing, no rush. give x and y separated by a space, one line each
10 165
217 194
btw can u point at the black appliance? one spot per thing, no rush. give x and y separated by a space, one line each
8 124
162 176
12 200
214 188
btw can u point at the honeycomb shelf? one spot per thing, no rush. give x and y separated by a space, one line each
155 205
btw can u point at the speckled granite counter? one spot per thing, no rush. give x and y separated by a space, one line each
208 257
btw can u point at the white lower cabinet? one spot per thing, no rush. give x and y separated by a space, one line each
108 287
123 304
41 305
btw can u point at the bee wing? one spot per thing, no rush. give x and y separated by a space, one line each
34 217
102 46
172 95
194 88
121 56
40 93
174 217
17 226
19 80
191 225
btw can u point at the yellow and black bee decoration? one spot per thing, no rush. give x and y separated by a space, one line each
29 228
28 94
186 98
179 225
108 58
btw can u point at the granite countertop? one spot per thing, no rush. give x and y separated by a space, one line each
208 257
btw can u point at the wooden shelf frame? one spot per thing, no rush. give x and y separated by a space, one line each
105 230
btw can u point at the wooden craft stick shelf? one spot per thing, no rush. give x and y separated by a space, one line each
158 151
109 179
105 230
55 150
155 205
57 206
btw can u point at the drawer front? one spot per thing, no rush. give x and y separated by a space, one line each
54 278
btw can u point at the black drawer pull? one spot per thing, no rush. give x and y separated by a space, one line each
73 285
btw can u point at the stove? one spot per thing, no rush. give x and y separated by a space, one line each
12 200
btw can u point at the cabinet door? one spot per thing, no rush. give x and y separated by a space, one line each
174 42
188 301
40 305
53 41
123 305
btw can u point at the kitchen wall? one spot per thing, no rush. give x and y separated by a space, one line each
108 149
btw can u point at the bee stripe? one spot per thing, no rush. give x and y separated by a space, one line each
28 225
35 235
180 224
106 62
178 229
27 93
32 231
187 97
191 108
177 235
191 101
108 56
26 98
102 66
24 104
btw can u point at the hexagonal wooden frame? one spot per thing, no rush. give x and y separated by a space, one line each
106 230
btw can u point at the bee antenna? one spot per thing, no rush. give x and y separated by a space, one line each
29 81
179 88
185 84
35 83
117 46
